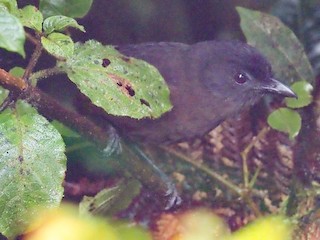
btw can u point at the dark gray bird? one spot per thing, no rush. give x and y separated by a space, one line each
209 82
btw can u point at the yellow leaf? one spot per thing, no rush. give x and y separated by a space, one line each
266 228
65 224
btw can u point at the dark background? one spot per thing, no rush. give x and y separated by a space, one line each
133 21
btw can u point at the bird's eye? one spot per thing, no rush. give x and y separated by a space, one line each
241 78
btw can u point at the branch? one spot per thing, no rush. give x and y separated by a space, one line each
45 73
51 109
33 62
13 84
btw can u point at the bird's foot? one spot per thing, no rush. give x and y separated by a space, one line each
172 198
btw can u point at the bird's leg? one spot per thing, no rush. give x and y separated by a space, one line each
141 167
144 169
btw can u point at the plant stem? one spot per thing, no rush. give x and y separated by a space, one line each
207 170
51 108
253 205
244 155
76 147
31 38
45 73
33 62
12 83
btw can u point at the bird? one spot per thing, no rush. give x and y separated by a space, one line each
209 82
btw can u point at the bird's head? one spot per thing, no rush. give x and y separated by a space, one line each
241 73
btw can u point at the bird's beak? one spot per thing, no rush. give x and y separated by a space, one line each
274 86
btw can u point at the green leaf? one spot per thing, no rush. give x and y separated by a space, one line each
303 90
10 5
120 85
32 166
275 227
60 23
12 35
58 44
3 94
3 8
70 8
110 201
17 71
278 43
285 120
31 17
131 232
64 130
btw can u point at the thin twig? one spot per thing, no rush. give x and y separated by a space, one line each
248 184
244 155
254 178
77 147
207 170
33 61
8 101
253 205
45 73
31 38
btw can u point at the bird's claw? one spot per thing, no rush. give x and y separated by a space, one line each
172 198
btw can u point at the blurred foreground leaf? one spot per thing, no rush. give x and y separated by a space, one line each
265 228
131 232
9 5
32 166
199 224
65 224
12 36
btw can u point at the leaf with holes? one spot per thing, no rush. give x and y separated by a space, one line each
32 167
120 85
285 120
60 23
58 44
30 17
70 8
278 43
12 36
